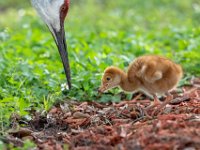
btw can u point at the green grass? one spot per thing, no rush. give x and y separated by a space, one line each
99 34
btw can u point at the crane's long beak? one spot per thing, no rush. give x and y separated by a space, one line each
59 37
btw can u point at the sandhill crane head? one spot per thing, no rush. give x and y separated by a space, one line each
53 12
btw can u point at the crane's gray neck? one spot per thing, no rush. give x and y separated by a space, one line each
49 11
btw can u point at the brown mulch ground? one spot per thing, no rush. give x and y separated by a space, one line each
123 126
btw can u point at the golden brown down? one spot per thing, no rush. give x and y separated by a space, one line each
150 74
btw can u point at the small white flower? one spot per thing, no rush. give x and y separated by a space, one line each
64 87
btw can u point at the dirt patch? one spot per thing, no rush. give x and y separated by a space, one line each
95 126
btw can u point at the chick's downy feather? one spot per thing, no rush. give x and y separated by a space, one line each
156 74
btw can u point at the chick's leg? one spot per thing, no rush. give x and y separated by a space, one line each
167 101
156 102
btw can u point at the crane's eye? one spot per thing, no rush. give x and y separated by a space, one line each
108 78
63 8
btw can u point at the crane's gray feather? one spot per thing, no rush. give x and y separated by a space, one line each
49 11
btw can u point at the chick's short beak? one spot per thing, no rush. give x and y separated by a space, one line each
100 90
103 88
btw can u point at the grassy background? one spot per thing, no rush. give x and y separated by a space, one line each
99 33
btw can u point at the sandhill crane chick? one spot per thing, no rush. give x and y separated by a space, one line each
153 75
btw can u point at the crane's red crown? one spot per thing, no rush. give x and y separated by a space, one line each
64 10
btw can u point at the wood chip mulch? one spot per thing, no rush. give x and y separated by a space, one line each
116 126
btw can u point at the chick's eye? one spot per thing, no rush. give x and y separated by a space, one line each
107 78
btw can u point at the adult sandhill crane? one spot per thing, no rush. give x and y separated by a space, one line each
53 13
